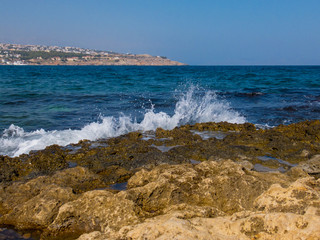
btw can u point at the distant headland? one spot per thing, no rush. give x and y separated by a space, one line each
17 54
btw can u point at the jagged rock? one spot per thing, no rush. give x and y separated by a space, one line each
238 226
224 185
117 159
312 166
215 199
34 204
296 198
94 210
39 211
96 235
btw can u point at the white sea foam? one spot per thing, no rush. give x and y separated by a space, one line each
189 109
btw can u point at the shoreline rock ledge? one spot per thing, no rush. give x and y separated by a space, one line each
211 197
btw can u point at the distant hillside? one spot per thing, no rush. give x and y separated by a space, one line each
17 54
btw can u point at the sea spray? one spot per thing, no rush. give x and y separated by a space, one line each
189 109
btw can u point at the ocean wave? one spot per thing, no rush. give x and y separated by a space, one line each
190 108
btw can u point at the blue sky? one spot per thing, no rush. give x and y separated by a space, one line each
206 32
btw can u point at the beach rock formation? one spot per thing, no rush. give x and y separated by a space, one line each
34 204
291 212
244 225
117 159
205 181
168 200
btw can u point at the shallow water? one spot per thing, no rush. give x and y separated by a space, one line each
44 105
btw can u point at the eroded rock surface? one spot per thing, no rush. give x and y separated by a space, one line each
222 185
34 204
249 184
291 212
117 159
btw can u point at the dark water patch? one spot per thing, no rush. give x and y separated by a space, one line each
209 134
8 233
119 186
316 110
72 149
250 94
260 168
18 102
164 148
269 158
97 144
72 164
290 109
148 135
192 161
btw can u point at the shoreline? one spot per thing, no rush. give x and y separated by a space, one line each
17 54
207 172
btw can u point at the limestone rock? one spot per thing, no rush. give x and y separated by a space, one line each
79 179
34 204
243 225
97 210
312 166
296 198
210 200
38 212
225 185
96 235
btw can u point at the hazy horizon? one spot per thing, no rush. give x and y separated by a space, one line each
206 33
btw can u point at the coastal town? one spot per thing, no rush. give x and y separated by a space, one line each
17 54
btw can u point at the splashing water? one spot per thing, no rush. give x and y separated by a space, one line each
189 109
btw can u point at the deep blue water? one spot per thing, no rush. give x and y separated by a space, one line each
72 97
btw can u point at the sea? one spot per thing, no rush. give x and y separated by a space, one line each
45 105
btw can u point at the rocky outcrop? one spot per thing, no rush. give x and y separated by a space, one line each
117 159
35 204
244 225
204 200
67 192
299 196
291 212
222 186
312 166
94 210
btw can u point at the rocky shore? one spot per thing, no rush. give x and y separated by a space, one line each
202 181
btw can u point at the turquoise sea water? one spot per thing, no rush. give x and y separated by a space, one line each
43 105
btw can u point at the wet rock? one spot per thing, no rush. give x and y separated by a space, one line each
37 163
129 153
180 136
7 234
164 191
221 126
47 161
122 157
12 169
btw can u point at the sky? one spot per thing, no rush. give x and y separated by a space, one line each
203 32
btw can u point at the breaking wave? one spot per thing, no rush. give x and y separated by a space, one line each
189 109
